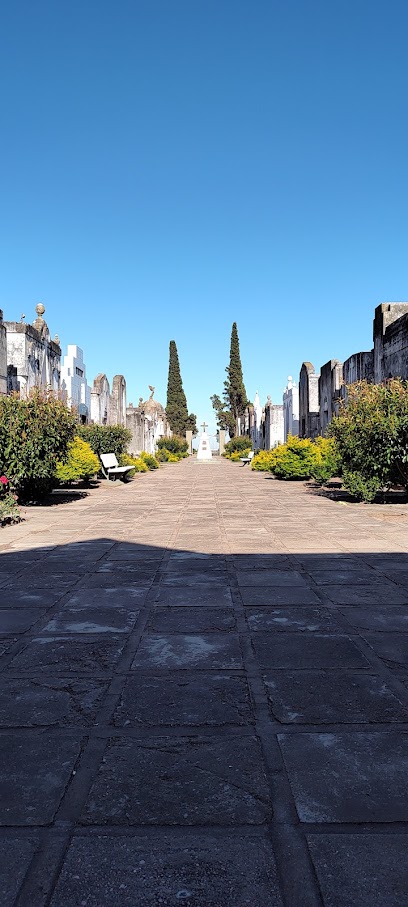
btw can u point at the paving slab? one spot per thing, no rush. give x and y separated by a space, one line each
205 650
278 650
325 697
200 870
211 651
15 857
348 777
369 870
200 699
47 703
35 770
191 620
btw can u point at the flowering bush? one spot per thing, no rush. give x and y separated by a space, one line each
150 460
9 510
238 447
138 464
300 458
170 450
34 435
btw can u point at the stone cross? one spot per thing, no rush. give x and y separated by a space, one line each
204 426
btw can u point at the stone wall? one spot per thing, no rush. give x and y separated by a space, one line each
274 425
330 385
117 409
308 401
390 341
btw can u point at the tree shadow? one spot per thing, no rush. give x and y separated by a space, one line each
140 687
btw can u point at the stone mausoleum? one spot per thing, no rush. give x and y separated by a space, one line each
33 359
147 422
321 394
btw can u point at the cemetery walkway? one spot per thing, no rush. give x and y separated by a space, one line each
204 697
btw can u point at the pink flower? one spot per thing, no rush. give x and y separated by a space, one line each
3 480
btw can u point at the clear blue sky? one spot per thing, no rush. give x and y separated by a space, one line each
170 166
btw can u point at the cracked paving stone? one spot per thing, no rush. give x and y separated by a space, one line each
391 647
367 595
368 871
286 650
386 618
58 702
201 699
15 858
211 650
69 654
180 781
32 797
302 697
348 777
199 870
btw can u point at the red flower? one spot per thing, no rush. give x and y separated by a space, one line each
3 480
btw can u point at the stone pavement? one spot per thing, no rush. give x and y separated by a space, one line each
204 697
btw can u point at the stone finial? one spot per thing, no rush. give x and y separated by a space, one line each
40 309
57 340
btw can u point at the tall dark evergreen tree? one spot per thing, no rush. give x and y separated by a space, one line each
178 416
234 399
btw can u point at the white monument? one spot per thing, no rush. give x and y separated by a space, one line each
204 451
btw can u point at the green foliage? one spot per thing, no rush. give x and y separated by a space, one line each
81 464
105 439
262 461
138 464
34 435
9 509
362 488
234 398
170 450
371 434
177 413
241 442
300 458
327 460
150 460
236 448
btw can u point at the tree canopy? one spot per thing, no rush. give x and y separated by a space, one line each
234 398
180 420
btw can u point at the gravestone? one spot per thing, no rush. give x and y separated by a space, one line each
204 451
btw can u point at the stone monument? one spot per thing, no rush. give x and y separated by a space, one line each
204 451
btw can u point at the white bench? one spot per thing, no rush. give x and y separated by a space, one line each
245 460
110 467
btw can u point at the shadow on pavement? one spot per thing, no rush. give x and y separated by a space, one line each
217 731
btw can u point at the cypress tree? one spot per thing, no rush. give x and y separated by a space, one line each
178 416
234 395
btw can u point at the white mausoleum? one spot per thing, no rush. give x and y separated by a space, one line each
74 385
291 408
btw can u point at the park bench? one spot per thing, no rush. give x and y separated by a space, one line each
110 467
245 460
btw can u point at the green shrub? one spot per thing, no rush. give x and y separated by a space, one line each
240 444
150 460
175 445
138 464
236 455
81 465
34 436
363 489
9 510
262 461
170 450
371 434
105 439
300 458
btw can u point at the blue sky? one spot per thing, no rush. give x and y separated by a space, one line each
170 166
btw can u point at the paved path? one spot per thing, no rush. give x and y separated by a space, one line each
204 694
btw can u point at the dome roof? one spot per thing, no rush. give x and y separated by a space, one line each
151 405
